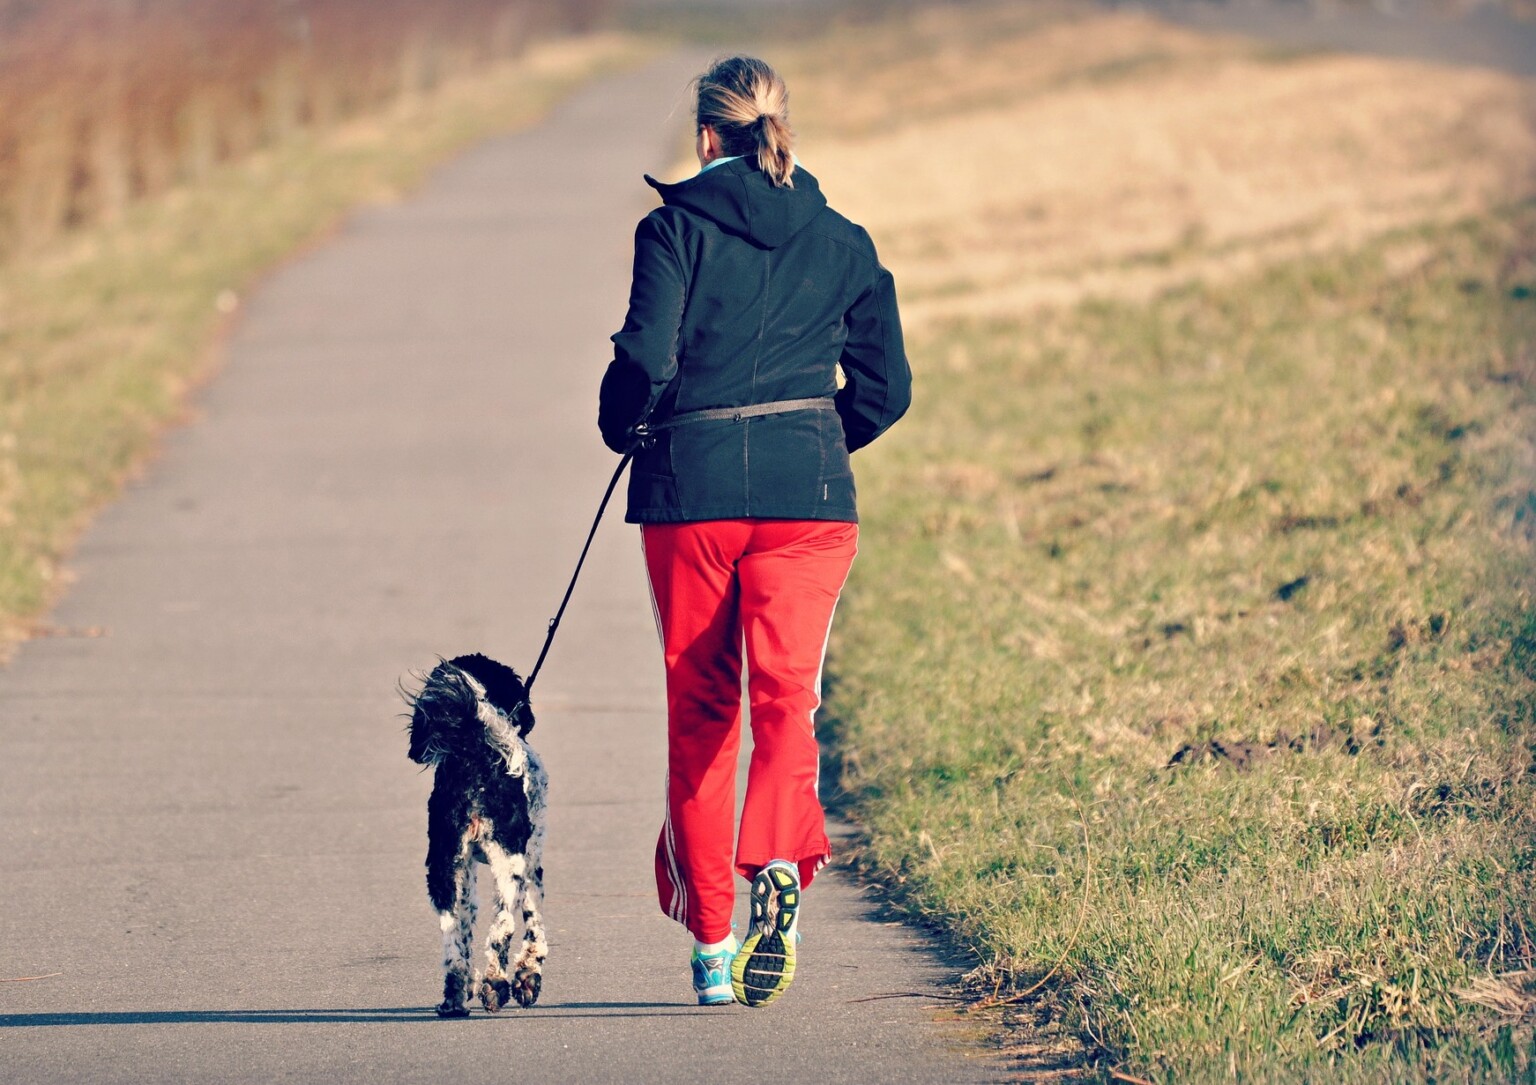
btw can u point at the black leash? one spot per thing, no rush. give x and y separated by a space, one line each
554 623
644 434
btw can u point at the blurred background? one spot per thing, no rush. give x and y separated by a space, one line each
109 101
1210 540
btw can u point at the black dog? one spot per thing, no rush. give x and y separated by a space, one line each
470 720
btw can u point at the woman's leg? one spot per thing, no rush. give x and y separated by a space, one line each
692 570
791 575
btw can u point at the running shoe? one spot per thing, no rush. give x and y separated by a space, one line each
712 976
765 964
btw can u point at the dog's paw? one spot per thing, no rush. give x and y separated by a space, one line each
452 1009
494 994
526 989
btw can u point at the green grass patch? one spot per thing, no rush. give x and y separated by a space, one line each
102 335
1237 583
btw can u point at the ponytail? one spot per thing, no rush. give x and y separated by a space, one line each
746 103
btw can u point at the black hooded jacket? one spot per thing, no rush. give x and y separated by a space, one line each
744 294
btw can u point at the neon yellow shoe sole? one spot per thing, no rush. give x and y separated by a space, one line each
765 965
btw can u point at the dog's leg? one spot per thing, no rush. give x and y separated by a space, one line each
528 971
451 883
458 927
530 962
529 968
507 870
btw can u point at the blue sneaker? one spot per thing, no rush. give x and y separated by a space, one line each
712 976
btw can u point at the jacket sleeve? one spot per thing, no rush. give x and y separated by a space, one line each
878 390
645 349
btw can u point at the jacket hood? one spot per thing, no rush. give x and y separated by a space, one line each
740 199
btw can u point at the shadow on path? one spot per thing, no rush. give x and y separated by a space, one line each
329 1016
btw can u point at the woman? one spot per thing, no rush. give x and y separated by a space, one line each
749 293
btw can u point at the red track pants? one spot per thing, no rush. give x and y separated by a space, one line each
718 584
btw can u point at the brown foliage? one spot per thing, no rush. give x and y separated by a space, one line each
107 101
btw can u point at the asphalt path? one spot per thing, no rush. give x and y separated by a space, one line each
208 825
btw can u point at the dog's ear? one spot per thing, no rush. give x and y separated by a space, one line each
419 731
421 725
437 710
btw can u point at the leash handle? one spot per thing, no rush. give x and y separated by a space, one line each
554 623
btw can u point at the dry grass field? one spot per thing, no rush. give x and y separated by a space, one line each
105 327
1188 673
108 102
1028 155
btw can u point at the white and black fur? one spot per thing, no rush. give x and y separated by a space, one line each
470 721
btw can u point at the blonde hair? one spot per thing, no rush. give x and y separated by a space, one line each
747 104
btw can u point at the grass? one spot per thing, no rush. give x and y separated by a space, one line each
1239 583
1042 154
103 333
1208 541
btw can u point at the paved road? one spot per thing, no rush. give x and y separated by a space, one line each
208 824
